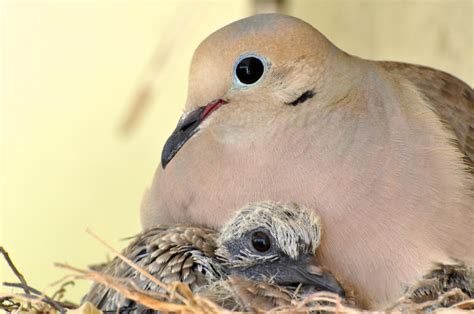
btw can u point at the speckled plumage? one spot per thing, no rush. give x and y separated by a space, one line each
170 253
445 286
442 279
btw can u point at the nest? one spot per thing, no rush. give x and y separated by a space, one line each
180 299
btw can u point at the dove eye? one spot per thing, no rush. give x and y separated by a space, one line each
261 241
249 69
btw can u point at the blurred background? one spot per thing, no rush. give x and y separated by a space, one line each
90 90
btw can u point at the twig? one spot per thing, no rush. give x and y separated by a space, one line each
325 302
12 304
40 296
28 299
441 298
19 285
460 305
59 294
12 266
48 301
30 292
196 304
138 296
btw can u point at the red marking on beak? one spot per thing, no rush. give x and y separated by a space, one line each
211 107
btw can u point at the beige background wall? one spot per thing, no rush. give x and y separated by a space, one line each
70 70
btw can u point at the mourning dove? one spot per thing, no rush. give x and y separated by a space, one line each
276 112
267 245
268 250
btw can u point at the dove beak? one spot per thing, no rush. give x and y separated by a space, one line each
187 126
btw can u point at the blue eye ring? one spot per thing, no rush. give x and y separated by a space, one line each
249 69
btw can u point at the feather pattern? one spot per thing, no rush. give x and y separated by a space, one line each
170 253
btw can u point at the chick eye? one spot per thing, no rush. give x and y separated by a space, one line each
249 70
261 241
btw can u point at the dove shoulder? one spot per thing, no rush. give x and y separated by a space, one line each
450 97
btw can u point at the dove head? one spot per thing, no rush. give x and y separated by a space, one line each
275 243
250 73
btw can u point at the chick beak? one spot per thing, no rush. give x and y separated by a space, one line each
187 126
308 272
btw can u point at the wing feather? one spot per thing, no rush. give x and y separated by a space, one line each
451 98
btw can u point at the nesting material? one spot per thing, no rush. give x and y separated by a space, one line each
181 300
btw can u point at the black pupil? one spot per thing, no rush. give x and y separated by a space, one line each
249 70
260 241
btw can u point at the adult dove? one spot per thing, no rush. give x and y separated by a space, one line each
380 149
262 258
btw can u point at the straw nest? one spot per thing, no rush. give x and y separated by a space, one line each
180 299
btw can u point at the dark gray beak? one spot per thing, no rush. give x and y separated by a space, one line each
309 273
186 128
317 277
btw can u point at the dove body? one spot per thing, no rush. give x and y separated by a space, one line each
365 147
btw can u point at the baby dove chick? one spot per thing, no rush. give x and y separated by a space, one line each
275 243
266 248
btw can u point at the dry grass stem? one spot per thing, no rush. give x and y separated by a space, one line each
183 288
195 304
154 73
